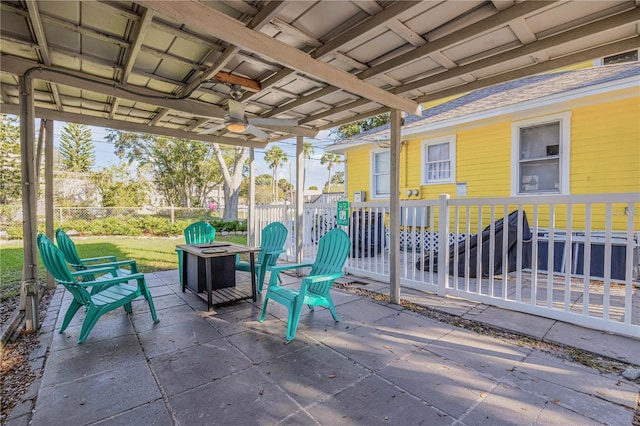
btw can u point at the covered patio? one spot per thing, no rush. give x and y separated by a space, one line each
173 69
250 73
381 364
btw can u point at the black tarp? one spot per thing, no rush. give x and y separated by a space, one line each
512 229
366 234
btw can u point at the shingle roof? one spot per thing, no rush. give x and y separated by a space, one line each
511 93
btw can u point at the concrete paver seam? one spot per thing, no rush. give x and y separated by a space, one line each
544 336
559 403
300 406
478 402
163 393
417 397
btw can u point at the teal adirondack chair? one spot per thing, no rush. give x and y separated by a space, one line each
68 248
333 249
107 295
274 236
196 233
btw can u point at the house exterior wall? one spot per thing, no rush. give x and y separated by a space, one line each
604 157
605 148
358 171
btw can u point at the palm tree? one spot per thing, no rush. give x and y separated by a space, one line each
275 157
330 159
307 152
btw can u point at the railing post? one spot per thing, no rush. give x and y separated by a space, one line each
299 209
443 244
252 221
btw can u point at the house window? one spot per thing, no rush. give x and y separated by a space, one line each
380 169
630 56
439 160
541 155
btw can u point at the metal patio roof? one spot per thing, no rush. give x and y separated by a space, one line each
165 67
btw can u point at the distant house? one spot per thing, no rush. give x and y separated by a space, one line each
568 133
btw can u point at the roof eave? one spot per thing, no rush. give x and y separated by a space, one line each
555 98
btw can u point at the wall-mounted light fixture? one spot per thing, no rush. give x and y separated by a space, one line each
413 192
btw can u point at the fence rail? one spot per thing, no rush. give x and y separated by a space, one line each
572 258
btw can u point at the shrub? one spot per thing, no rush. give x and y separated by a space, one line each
152 225
231 226
14 232
131 226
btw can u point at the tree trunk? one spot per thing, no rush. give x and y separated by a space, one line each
275 185
231 197
231 182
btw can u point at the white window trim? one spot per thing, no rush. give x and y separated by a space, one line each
451 139
565 157
372 185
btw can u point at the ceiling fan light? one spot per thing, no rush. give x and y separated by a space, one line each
236 127
234 124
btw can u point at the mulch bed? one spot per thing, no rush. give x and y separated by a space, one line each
16 372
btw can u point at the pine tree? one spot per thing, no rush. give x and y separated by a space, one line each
10 174
76 148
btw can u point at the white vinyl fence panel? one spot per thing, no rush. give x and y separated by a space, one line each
577 261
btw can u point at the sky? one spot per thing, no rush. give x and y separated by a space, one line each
316 173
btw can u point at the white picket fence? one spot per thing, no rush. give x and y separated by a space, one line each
577 261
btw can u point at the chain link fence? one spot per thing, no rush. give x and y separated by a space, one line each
165 220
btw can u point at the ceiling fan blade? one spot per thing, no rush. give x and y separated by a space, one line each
236 109
210 130
257 132
298 131
256 121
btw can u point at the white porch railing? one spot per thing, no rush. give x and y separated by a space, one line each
577 261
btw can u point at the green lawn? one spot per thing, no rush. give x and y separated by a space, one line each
151 254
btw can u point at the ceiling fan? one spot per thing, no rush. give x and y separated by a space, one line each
235 120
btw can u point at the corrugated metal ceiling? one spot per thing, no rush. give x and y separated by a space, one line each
150 66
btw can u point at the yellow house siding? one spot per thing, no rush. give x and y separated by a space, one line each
484 160
412 161
581 65
441 101
358 171
605 148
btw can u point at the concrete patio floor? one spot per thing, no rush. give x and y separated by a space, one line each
381 364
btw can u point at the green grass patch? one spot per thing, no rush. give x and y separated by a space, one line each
151 254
